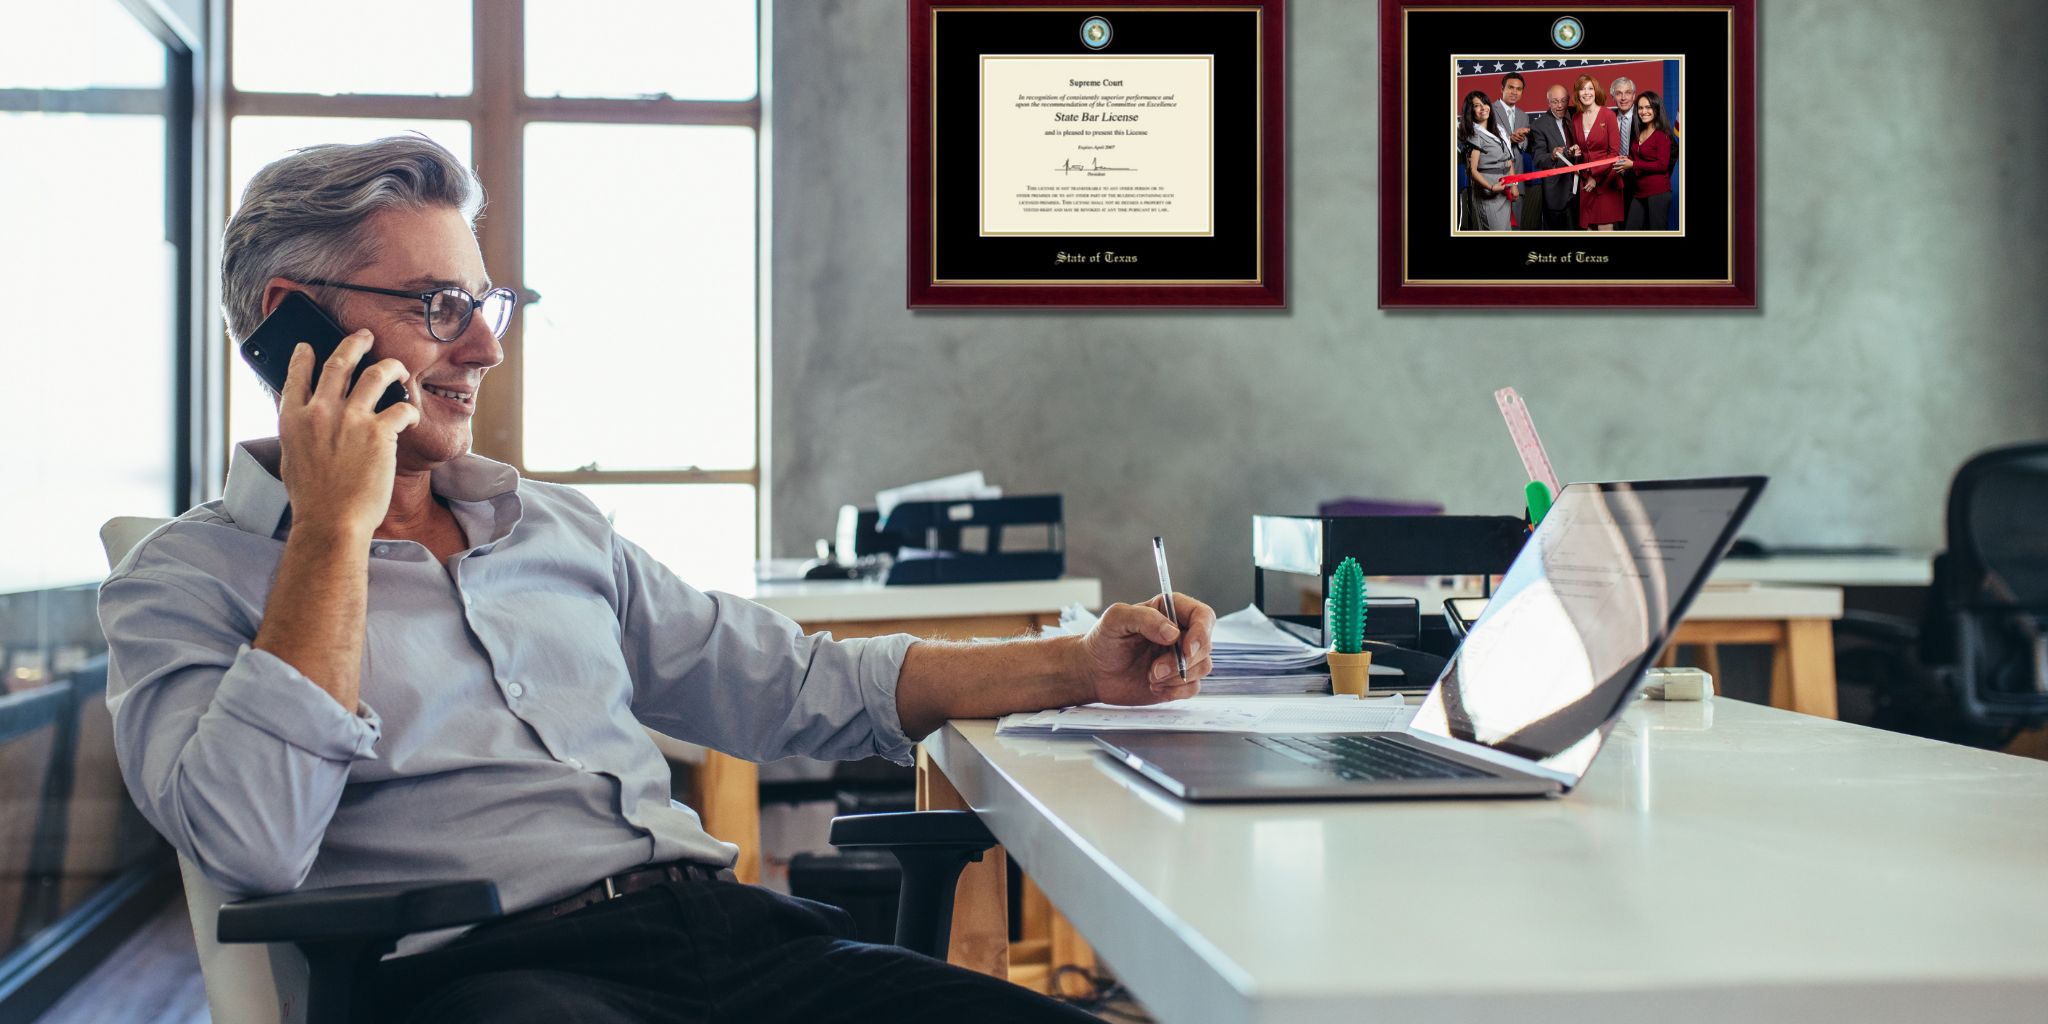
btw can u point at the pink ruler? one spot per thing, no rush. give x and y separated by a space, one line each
1527 444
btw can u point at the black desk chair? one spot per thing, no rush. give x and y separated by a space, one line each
1974 668
1988 611
320 941
343 931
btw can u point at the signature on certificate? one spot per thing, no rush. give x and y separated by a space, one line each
1091 167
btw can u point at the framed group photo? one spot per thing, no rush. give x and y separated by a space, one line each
1065 154
1598 154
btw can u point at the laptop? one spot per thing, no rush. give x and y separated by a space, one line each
1526 701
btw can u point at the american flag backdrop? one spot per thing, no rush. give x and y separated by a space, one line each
1485 74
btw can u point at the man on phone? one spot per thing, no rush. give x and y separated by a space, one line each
380 657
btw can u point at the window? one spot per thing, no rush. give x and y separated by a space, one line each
634 214
94 260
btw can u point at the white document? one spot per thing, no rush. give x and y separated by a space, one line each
1220 714
945 488
1097 146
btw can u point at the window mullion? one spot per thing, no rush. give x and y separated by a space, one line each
499 80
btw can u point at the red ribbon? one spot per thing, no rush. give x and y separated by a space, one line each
1573 169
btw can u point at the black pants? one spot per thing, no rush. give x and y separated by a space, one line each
1649 213
691 951
1566 219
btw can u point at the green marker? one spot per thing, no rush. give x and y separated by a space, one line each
1539 501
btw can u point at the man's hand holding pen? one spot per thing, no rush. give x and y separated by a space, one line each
1130 654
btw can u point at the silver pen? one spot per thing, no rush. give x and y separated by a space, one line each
1166 597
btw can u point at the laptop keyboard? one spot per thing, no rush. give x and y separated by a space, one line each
1366 758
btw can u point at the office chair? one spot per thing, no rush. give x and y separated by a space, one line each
1988 609
1974 668
295 958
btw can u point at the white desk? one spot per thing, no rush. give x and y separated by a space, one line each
822 601
1915 569
1721 862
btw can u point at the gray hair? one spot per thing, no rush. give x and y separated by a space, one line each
1619 82
304 215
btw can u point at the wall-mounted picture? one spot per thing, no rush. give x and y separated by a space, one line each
1070 154
1597 155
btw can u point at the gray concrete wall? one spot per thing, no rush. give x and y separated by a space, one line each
1900 330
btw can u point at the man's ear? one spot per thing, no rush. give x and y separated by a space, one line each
275 290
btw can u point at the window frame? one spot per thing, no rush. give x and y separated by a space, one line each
498 111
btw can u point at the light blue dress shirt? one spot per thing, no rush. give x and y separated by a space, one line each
503 693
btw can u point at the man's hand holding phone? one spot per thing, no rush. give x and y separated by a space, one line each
340 455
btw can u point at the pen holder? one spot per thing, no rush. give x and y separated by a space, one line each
1349 673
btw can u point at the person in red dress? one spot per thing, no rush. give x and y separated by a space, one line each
1649 207
1596 135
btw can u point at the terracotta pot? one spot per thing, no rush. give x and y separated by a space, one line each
1349 672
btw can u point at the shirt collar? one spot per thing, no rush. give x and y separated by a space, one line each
256 500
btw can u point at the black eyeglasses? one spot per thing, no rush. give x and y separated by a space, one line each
447 310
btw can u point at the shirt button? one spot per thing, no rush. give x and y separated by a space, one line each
465 600
573 763
380 550
517 691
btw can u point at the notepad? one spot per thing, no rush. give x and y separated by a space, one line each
1219 714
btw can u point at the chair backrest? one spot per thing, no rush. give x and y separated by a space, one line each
1998 528
245 984
1992 585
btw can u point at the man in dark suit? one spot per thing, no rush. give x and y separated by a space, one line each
1550 136
1513 122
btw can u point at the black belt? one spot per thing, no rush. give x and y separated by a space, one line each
613 887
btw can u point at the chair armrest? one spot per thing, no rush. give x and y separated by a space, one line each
358 912
895 829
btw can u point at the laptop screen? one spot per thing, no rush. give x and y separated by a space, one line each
1584 608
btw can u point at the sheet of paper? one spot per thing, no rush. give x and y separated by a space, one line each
1221 714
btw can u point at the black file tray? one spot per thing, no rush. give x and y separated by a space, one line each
932 534
1384 546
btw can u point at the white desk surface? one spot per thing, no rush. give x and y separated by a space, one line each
866 600
1914 569
1714 603
1721 862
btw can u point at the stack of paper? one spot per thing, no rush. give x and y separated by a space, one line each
1219 714
1251 654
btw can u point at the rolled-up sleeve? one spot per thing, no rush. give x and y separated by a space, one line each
732 675
233 754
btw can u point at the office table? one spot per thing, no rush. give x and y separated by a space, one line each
1904 569
725 789
1795 622
1722 861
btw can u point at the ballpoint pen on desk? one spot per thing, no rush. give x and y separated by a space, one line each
1180 661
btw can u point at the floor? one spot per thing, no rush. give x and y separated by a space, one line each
153 978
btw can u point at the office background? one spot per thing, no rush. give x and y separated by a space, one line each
1899 330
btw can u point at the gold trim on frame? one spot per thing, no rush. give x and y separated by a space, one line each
932 277
1407 232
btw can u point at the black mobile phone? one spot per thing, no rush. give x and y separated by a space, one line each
268 348
1461 612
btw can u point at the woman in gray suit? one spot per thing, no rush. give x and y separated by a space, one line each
1488 156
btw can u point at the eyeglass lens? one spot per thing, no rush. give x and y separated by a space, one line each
449 312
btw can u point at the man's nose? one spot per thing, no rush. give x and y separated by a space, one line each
477 346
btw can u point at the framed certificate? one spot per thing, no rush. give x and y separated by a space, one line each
1600 153
1075 155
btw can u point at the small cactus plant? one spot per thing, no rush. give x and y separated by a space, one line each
1346 609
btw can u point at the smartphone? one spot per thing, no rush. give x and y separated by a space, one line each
1461 612
268 349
